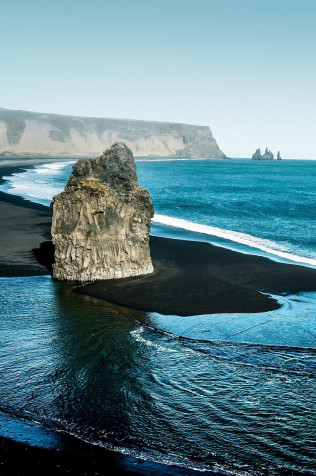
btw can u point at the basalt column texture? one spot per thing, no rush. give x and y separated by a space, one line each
101 221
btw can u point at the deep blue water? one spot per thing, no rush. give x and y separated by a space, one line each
235 393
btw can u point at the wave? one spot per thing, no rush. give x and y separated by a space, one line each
38 184
37 193
261 244
35 430
277 359
146 159
52 168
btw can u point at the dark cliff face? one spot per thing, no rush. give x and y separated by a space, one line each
31 134
101 221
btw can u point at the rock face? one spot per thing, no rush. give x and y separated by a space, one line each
31 134
101 221
257 155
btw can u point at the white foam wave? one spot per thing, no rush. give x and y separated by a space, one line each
264 245
52 168
137 335
147 159
35 192
38 184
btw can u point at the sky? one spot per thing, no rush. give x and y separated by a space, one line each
246 68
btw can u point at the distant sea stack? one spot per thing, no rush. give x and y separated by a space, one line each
268 155
257 155
31 134
101 221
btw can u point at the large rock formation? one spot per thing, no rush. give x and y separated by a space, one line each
257 155
31 134
266 156
101 220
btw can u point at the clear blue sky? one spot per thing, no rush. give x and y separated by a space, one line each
246 68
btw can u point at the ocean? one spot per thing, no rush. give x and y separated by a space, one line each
235 394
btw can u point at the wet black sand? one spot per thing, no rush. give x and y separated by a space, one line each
197 278
23 227
81 459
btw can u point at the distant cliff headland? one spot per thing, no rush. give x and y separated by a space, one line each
30 134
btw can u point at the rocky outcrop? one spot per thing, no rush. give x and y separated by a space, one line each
101 221
31 134
266 156
279 156
257 155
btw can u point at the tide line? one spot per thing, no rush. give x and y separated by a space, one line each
267 246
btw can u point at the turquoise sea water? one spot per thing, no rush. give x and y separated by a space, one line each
236 393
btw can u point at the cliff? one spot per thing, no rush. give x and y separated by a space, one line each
101 222
31 134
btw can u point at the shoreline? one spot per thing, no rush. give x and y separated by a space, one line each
190 278
24 226
210 279
175 227
80 458
196 278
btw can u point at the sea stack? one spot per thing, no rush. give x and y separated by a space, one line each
257 155
267 155
101 221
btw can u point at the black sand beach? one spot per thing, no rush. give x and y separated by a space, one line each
23 227
190 278
82 459
193 278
